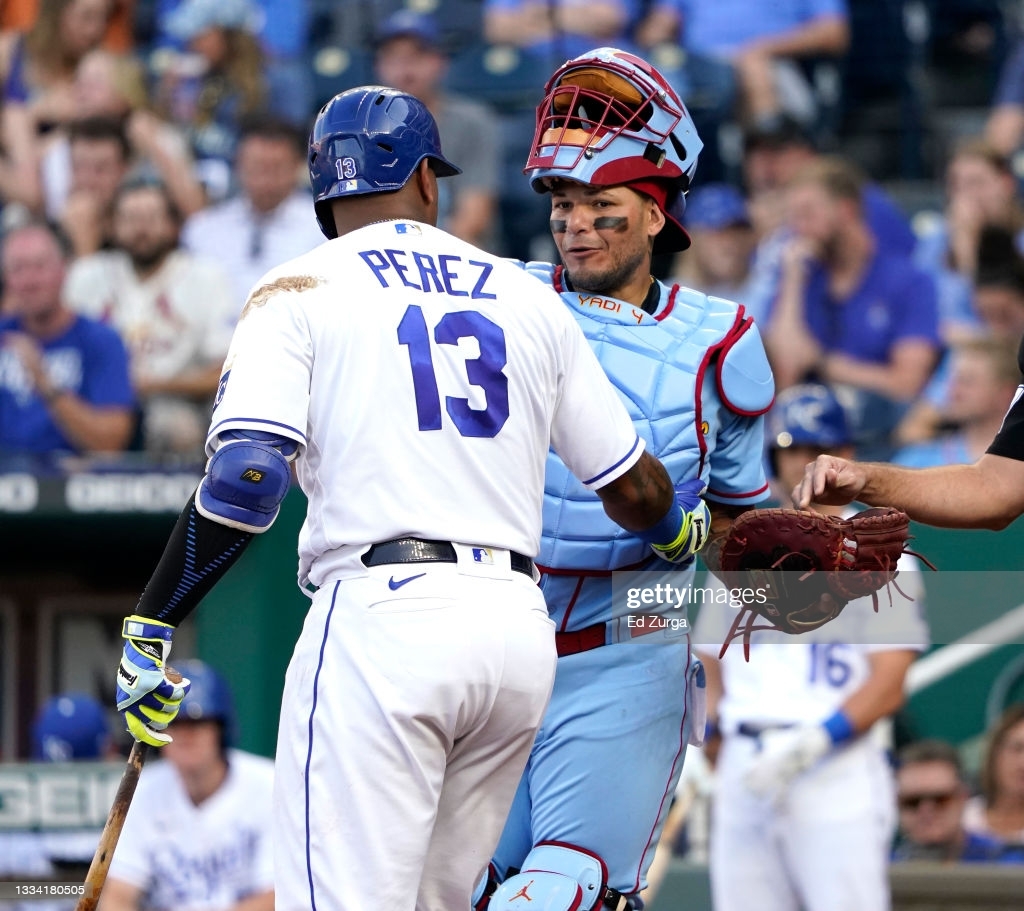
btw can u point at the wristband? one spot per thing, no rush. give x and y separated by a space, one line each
667 529
839 727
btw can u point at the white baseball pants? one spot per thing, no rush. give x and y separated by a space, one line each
408 715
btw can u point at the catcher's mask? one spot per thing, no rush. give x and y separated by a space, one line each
609 118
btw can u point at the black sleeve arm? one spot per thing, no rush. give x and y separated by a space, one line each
1009 441
199 552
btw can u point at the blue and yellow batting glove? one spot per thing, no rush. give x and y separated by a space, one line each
147 699
696 522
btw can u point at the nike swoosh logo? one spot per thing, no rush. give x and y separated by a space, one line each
393 585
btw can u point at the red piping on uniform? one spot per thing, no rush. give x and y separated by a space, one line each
572 604
738 496
556 279
735 334
671 303
680 752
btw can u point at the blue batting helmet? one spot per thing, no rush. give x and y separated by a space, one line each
209 697
609 118
808 415
70 726
370 140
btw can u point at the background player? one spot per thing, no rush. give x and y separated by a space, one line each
198 834
616 150
803 810
427 657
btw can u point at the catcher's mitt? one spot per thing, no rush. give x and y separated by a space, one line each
805 567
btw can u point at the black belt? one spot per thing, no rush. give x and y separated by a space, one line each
750 729
414 550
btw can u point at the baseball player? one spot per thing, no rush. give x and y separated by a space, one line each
198 833
416 382
803 808
616 151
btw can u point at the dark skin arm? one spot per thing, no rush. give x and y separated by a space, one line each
641 497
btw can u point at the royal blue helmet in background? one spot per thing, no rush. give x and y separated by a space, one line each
808 414
70 726
370 140
208 699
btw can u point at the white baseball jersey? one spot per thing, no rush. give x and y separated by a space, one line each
180 317
199 858
363 347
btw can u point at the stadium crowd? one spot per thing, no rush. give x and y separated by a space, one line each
859 193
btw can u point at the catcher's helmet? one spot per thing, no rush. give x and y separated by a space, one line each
208 699
808 415
610 118
370 140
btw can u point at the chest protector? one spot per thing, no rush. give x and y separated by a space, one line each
682 374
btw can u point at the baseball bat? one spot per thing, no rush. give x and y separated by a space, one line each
97 875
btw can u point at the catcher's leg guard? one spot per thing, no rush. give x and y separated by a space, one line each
484 889
562 878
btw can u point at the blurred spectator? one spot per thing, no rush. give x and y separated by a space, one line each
557 30
270 221
803 803
64 381
773 157
997 307
100 158
173 310
284 33
21 15
199 831
741 58
38 70
410 58
983 379
931 796
849 311
113 87
999 812
981 191
219 83
774 154
1005 126
721 253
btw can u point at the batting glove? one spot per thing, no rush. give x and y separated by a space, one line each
696 523
146 698
784 755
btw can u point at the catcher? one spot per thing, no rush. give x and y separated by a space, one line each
804 802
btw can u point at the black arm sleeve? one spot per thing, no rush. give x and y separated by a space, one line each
198 554
1009 441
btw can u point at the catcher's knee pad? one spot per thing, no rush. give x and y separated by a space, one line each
559 877
245 482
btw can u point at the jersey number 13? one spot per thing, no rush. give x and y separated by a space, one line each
484 371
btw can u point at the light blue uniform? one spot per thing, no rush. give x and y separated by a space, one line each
696 381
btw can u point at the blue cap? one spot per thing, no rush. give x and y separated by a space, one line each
407 23
193 17
70 726
715 206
